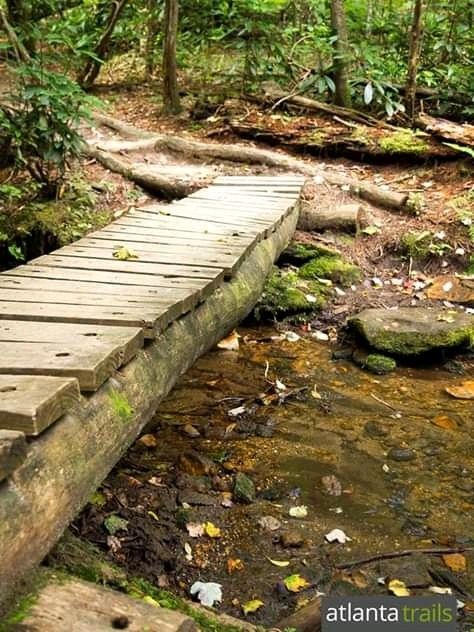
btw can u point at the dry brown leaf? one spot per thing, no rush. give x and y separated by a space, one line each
455 562
443 421
465 390
234 565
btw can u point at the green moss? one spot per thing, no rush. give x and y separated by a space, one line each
470 267
121 405
403 141
417 244
361 136
285 294
298 252
380 364
333 268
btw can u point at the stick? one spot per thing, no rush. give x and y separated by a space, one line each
405 553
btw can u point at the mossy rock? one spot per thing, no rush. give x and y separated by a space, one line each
412 331
380 364
333 268
286 295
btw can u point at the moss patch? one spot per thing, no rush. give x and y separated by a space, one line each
380 364
121 405
333 268
403 141
285 294
299 253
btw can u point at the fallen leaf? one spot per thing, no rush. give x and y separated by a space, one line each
211 530
291 336
207 592
195 529
189 552
443 421
279 563
465 390
252 606
150 601
124 254
279 385
231 343
337 535
438 590
270 523
332 485
235 412
114 523
315 393
295 583
153 515
234 565
299 512
398 588
455 562
370 230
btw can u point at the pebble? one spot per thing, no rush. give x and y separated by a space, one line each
401 454
195 464
291 539
191 431
244 488
148 441
374 429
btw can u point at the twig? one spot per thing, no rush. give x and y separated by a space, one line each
405 553
381 401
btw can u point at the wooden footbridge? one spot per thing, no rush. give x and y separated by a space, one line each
91 341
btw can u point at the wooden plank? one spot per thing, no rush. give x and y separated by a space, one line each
200 286
200 227
150 246
78 606
130 339
207 259
105 291
32 403
297 180
13 451
152 322
91 364
215 215
230 211
111 264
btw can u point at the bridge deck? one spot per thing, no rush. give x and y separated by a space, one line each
69 320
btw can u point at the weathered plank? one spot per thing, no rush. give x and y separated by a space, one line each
150 246
214 260
32 403
91 364
111 264
130 339
278 180
77 606
13 451
210 210
201 286
104 291
152 321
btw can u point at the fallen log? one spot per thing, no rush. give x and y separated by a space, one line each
238 153
66 464
346 217
280 98
447 130
146 176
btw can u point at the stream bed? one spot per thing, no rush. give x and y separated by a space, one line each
388 460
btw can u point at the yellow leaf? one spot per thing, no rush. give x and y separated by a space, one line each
150 601
211 530
234 565
465 390
398 588
252 606
455 562
123 254
280 563
295 583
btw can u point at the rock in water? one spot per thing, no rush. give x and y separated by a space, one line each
411 331
244 489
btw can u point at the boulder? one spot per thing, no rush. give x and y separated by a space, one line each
452 288
411 331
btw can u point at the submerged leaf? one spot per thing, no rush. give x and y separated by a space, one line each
279 563
295 583
337 535
234 565
398 588
114 523
299 512
252 606
231 343
211 530
455 562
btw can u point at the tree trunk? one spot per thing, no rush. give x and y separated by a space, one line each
20 18
171 102
152 28
92 68
416 37
21 53
341 45
345 217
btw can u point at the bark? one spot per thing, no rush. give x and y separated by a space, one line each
306 619
346 217
92 68
370 192
171 102
447 130
416 38
66 464
341 53
152 28
146 176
